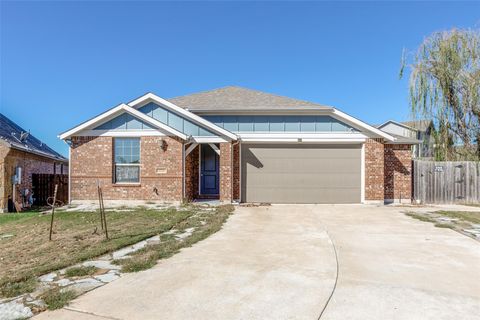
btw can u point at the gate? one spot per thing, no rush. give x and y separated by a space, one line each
446 181
43 186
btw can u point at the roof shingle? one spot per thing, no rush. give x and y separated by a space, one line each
238 98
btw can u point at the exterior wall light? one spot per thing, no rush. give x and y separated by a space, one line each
163 145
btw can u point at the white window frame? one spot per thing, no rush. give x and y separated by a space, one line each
127 164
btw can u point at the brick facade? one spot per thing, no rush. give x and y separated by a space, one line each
226 172
387 171
160 171
374 170
30 163
398 173
192 174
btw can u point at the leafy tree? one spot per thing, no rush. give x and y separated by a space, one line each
445 87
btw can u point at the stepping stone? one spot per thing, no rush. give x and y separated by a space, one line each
101 264
14 310
83 285
473 231
48 277
107 277
63 282
187 232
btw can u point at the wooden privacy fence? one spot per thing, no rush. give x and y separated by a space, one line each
446 181
44 186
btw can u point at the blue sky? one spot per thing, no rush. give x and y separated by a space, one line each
64 62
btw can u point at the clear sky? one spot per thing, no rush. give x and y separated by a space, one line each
65 62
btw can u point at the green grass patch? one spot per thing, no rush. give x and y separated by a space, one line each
420 217
56 298
467 216
9 217
444 225
80 271
13 289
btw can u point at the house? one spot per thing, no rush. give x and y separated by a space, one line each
21 156
235 144
419 133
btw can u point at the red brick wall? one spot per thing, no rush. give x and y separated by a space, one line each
160 171
226 172
398 172
192 174
30 164
236 171
374 170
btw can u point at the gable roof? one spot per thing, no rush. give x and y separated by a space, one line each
395 123
238 98
11 133
121 108
228 98
187 114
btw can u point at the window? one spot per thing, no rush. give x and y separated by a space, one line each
127 160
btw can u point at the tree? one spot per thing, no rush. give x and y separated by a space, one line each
445 87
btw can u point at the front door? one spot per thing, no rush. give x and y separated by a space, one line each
209 176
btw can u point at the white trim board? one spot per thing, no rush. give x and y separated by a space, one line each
121 133
360 124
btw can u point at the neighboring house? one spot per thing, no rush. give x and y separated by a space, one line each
419 133
235 144
21 155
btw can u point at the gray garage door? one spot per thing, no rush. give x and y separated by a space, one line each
299 173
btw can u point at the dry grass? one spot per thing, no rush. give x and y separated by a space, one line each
29 253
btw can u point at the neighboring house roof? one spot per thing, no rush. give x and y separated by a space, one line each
400 124
238 98
18 138
420 125
404 140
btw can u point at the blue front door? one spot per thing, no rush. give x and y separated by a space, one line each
209 164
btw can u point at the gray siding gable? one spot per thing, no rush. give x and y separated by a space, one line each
128 122
278 123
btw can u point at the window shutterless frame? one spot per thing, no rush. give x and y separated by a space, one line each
126 155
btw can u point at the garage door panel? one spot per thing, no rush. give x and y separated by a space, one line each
319 180
301 173
273 153
297 195
312 165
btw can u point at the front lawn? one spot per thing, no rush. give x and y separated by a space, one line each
26 252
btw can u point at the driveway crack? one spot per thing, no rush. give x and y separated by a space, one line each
336 275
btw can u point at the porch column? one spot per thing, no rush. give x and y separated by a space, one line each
226 172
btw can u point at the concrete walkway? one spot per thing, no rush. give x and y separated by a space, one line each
278 263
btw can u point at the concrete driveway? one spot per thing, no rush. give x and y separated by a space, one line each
279 262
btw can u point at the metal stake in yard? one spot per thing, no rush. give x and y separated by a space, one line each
53 211
100 204
103 217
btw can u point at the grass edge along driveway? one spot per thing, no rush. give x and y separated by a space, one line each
26 253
